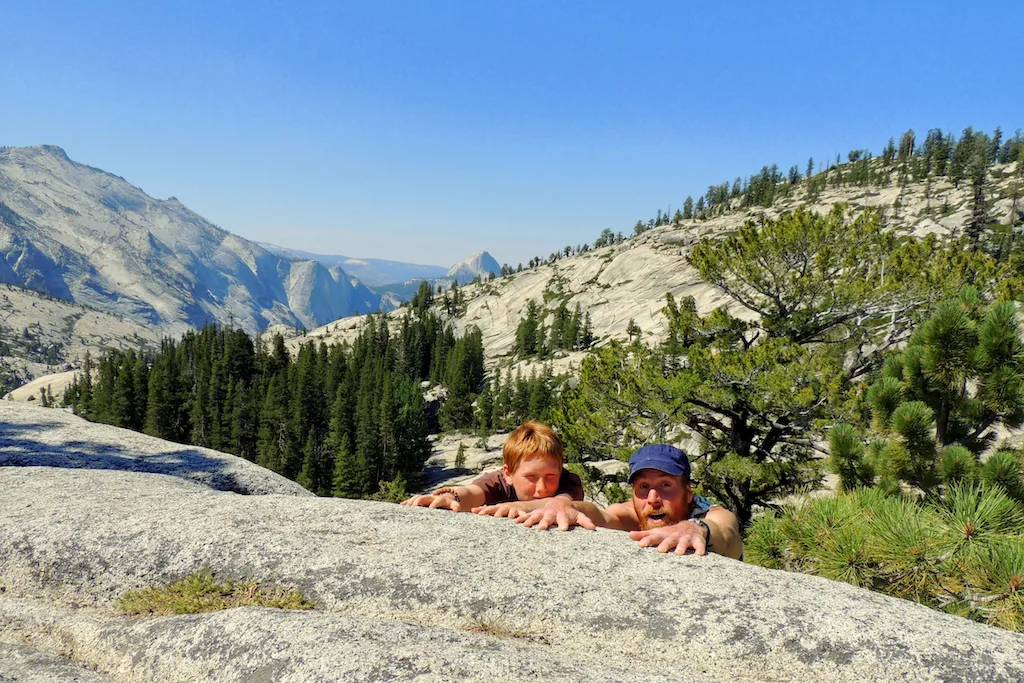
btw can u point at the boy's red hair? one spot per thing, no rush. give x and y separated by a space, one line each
532 440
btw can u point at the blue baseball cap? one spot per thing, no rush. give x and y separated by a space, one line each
661 457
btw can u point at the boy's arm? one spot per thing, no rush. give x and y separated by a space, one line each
456 499
564 514
518 508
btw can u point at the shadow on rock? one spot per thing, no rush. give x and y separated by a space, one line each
19 447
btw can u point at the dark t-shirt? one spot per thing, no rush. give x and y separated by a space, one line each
497 490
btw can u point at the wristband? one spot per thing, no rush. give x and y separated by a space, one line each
707 529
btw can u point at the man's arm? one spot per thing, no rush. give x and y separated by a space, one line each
686 535
456 499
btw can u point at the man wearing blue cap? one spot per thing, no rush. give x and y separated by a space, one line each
663 513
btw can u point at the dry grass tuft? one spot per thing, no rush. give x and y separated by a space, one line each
200 592
493 627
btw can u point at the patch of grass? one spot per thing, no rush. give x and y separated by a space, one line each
200 592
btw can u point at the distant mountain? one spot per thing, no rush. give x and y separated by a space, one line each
40 335
393 295
80 234
396 281
478 264
370 271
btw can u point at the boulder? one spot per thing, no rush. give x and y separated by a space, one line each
417 594
36 436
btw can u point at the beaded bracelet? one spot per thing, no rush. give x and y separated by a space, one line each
448 489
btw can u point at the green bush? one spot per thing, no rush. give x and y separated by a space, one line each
963 553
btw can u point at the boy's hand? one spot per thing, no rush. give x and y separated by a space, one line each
444 501
512 510
558 512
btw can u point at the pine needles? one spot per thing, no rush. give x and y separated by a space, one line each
963 554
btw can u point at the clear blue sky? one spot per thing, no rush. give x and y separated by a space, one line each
422 131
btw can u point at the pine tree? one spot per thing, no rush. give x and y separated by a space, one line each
586 334
527 330
957 378
993 152
889 153
349 478
961 156
367 444
633 330
540 396
906 149
163 403
520 399
274 438
140 392
309 476
978 174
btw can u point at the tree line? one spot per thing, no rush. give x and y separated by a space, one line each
347 420
568 331
965 159
968 158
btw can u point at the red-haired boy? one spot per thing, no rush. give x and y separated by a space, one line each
532 471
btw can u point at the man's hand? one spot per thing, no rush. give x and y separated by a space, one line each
444 501
680 537
558 512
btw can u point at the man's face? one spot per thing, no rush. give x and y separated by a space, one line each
660 499
535 478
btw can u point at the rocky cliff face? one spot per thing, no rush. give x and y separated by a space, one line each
80 234
413 594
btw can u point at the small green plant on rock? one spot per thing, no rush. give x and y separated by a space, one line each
201 592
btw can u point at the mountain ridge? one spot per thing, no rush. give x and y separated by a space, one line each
627 280
84 234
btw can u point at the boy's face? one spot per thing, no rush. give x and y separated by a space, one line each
535 477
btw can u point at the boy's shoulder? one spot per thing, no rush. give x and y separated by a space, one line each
496 488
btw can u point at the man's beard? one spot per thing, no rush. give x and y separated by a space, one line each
649 521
